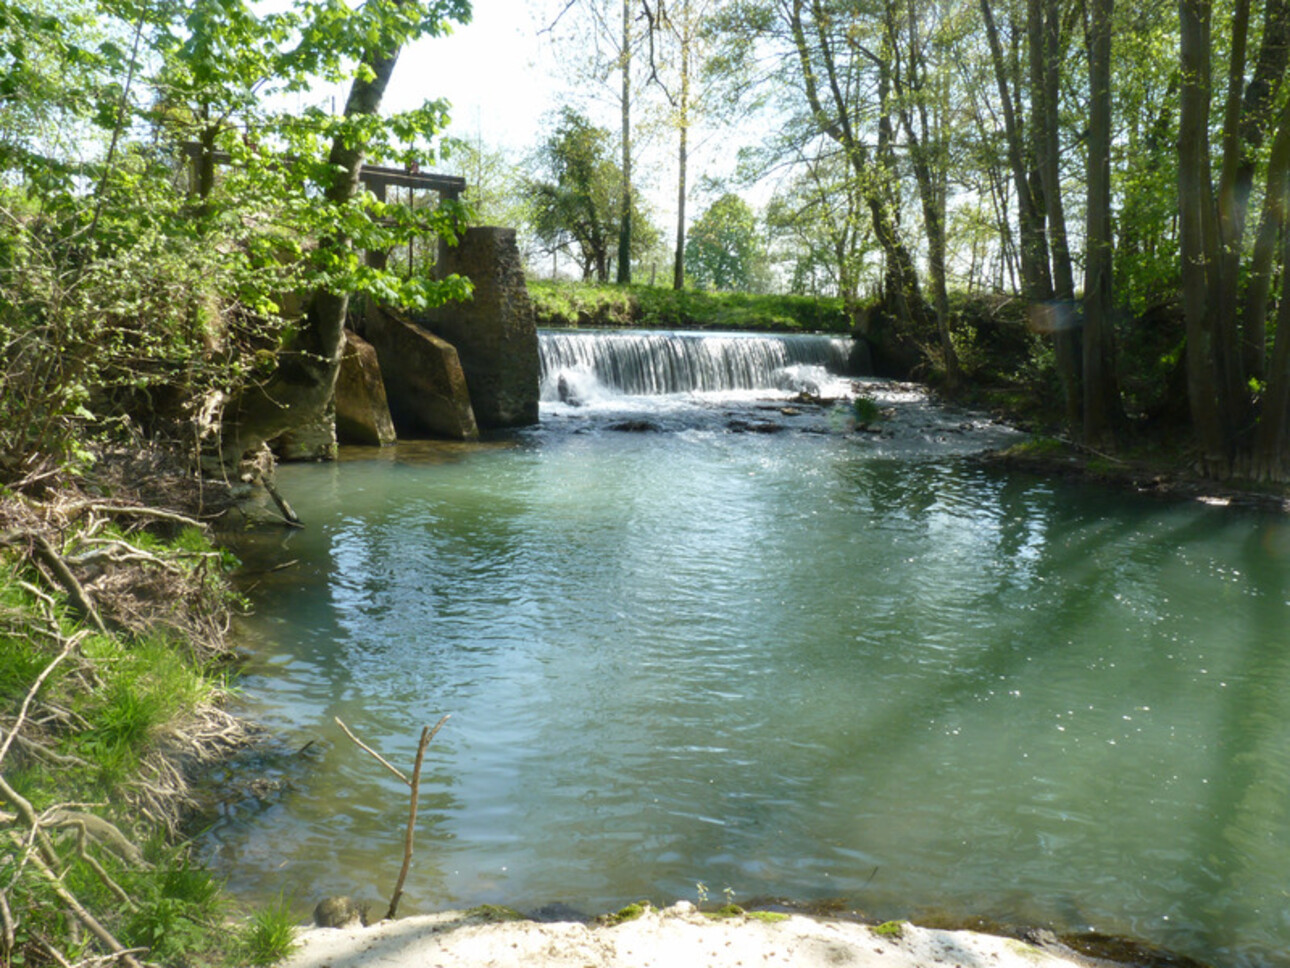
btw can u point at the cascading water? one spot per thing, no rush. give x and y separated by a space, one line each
580 364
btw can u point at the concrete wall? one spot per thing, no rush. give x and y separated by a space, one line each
495 334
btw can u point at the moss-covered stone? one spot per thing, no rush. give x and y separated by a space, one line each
494 914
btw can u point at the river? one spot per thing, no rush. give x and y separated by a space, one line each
727 638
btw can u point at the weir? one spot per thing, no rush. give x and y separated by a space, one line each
638 363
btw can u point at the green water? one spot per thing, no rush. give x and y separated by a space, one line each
804 665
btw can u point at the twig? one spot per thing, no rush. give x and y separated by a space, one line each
288 513
134 510
35 688
84 916
427 734
55 563
58 956
6 918
379 758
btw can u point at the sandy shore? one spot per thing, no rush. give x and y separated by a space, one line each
677 937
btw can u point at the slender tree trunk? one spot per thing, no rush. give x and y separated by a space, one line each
1047 88
1271 224
1036 276
625 225
835 122
931 199
1198 236
1101 396
678 268
1257 113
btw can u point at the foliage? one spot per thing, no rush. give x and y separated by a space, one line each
122 298
725 250
577 198
580 304
822 233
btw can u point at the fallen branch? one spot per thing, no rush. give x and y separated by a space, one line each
367 749
288 512
44 552
132 510
27 700
427 734
122 953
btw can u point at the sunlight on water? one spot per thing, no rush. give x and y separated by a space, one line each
803 664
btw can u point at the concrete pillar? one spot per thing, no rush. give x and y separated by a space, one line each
494 333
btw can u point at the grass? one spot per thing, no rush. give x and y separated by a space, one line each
90 763
269 935
579 304
629 913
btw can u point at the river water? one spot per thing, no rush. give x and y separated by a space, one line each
728 638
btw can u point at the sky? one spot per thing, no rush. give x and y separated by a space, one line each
496 71
501 75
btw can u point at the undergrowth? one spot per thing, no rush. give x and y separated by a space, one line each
111 668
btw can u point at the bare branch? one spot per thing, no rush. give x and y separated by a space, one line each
379 758
427 734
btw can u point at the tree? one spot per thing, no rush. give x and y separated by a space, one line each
177 301
578 204
820 216
306 373
922 110
1234 436
603 42
1101 403
726 251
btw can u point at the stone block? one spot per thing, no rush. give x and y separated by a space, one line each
362 410
314 440
424 382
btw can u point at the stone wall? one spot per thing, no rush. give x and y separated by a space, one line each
423 378
495 334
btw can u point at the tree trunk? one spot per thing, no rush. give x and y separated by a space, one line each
1035 274
1198 236
1257 109
678 269
625 225
1254 311
1101 396
836 124
931 199
305 377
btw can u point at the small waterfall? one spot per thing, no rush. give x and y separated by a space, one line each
640 363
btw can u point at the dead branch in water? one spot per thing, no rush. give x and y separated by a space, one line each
414 783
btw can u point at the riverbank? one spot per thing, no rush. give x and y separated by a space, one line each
1168 476
113 614
678 935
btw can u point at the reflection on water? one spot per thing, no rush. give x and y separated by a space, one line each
802 664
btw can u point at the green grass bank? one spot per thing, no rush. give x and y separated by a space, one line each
578 304
113 665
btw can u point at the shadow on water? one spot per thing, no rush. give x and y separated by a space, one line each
796 666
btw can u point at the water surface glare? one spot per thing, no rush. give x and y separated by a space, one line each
806 665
